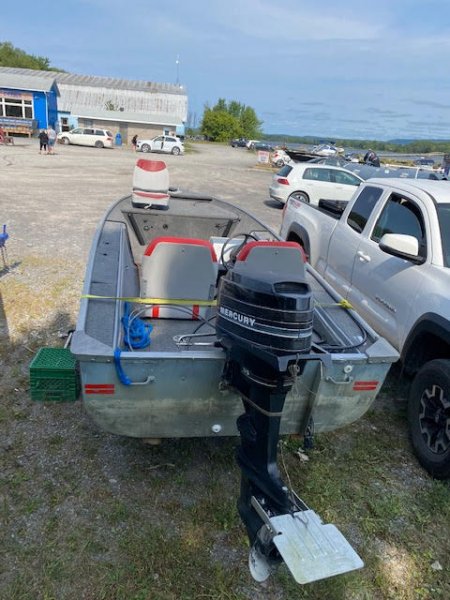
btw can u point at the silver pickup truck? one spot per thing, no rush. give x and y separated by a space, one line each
387 251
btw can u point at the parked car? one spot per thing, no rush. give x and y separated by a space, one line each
369 172
279 158
424 162
238 143
87 136
162 143
263 146
313 182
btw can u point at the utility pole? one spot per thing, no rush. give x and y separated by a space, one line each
177 62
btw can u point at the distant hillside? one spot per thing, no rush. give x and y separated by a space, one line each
413 141
405 146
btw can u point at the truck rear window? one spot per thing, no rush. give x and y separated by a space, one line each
362 207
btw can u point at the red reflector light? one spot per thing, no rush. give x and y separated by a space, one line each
283 180
99 388
365 386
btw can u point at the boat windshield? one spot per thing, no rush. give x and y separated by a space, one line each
443 211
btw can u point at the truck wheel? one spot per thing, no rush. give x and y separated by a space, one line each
299 196
429 417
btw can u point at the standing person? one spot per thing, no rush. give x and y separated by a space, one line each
446 164
51 134
2 136
43 141
371 158
134 142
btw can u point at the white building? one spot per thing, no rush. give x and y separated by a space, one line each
120 105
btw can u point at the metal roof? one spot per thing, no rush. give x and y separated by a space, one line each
25 81
88 81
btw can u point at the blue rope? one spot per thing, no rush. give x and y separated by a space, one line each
136 335
120 372
136 332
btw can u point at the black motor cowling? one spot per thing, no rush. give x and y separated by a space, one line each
266 311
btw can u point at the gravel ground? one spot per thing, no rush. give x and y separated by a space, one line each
52 204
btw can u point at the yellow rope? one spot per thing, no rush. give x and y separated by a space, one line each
160 301
183 302
342 303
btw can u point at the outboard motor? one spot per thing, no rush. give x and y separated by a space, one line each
264 322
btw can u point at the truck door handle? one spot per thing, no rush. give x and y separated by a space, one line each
363 257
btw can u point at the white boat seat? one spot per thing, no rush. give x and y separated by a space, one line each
150 184
282 257
183 269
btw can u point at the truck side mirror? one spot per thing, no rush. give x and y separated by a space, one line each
402 246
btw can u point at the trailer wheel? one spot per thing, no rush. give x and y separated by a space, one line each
429 417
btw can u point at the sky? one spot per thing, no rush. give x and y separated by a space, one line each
329 69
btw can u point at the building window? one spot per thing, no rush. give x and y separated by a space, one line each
18 108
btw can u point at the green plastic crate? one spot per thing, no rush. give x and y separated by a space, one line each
54 376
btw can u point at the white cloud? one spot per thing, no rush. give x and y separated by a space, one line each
290 21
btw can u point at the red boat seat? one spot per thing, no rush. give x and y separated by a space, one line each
282 257
183 269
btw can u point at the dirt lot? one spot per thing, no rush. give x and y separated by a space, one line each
86 515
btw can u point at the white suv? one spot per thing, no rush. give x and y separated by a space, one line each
162 143
87 136
312 182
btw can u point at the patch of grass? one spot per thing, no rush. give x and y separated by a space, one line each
99 517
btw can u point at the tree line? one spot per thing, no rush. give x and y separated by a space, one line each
402 147
10 56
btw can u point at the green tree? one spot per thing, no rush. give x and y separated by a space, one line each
235 120
235 109
221 106
10 56
250 124
219 125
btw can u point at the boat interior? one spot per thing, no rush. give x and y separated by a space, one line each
161 266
